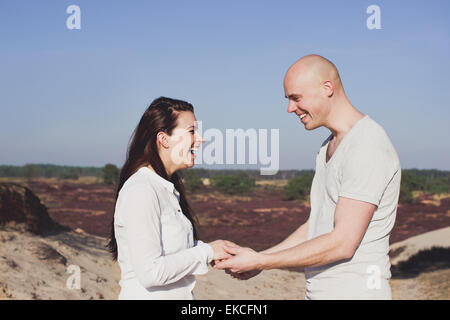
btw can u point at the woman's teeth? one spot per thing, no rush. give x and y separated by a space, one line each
302 116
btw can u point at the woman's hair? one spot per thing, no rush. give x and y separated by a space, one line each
161 115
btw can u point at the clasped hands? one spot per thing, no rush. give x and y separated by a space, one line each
240 262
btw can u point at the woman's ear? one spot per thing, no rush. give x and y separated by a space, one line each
161 137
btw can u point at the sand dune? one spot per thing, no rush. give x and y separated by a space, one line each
403 250
34 267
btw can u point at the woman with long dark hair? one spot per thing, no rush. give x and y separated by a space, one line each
153 233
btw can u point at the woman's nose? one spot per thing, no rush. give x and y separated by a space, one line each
200 138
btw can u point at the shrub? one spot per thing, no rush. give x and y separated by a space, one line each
191 181
298 187
233 183
406 195
110 174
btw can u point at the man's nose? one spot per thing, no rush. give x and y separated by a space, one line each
291 107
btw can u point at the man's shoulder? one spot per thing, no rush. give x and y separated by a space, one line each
373 139
372 134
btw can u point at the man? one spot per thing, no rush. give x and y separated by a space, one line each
344 245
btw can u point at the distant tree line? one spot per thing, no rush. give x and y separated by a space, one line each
235 181
57 171
49 171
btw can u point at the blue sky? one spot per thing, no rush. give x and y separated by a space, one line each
74 96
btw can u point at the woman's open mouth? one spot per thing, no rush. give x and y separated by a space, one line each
193 151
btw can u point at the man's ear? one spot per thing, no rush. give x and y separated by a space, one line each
161 138
328 86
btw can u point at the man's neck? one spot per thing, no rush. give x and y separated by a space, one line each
342 118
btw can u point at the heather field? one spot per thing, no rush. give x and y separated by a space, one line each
258 219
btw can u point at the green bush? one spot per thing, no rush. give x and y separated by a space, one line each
233 183
406 195
110 174
298 187
191 181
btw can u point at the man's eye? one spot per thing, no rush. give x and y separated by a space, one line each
192 131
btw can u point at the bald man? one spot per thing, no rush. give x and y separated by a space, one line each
344 245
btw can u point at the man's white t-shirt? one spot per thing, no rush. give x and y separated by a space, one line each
365 167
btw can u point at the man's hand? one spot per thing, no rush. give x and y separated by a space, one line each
218 248
242 260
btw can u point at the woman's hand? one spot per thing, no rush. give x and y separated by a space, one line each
242 260
219 253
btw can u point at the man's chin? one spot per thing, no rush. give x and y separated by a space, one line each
309 126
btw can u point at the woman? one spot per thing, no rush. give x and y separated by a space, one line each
153 229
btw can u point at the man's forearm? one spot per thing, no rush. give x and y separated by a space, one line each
322 250
294 239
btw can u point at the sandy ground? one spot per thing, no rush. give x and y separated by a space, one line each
289 285
32 267
270 284
282 284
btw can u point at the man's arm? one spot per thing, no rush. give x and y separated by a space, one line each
297 237
352 218
294 239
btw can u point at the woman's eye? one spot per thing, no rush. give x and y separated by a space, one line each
192 131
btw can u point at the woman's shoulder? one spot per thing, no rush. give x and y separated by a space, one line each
138 193
139 181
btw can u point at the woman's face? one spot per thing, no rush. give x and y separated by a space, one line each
184 141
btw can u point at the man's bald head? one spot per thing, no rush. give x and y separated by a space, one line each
312 85
314 70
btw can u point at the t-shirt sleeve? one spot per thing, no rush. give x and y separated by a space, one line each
366 173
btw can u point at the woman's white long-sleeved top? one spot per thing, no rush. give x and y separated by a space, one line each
157 255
